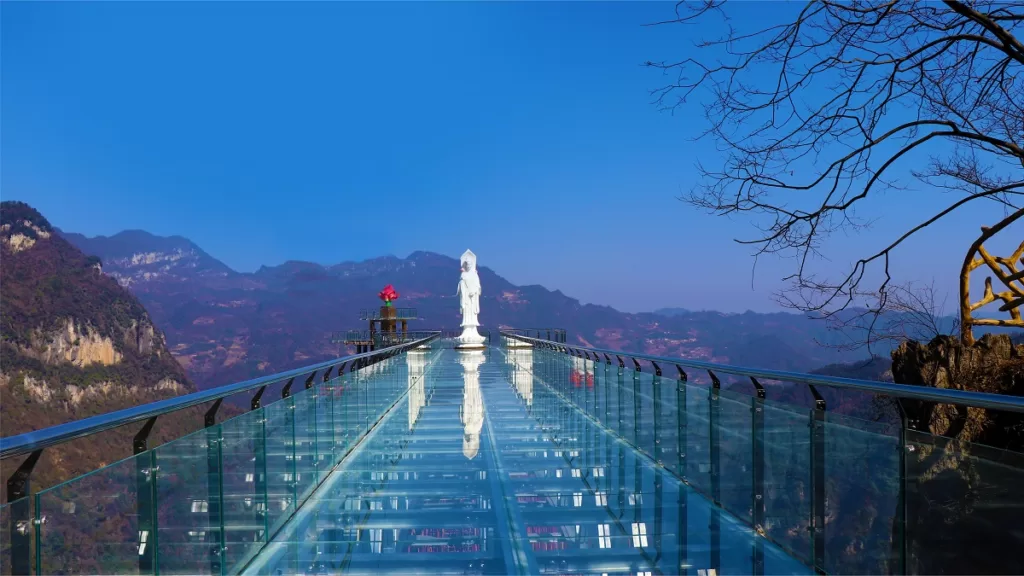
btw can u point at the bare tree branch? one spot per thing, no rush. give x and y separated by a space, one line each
828 111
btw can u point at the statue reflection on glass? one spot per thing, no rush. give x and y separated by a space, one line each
471 412
416 360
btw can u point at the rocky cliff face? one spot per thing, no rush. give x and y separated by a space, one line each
74 344
965 465
993 364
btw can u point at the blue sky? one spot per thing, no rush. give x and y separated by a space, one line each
326 132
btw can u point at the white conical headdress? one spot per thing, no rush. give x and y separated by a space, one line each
469 257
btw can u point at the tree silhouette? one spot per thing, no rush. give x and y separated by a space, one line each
817 115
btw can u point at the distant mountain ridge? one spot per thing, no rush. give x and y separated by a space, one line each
671 311
224 325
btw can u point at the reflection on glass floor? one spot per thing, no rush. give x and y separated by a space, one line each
472 474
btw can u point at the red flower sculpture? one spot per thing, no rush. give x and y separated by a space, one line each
388 294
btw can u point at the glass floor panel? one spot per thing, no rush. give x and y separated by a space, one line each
480 470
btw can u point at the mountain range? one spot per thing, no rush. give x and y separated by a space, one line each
224 325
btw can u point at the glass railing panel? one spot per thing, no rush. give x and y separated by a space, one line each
698 438
306 471
346 416
665 417
244 472
16 518
206 502
609 396
736 450
324 422
862 483
339 441
362 401
787 473
599 396
280 445
89 525
964 507
589 405
643 411
189 500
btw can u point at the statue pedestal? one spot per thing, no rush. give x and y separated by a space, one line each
470 339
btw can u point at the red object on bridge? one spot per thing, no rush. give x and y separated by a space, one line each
388 294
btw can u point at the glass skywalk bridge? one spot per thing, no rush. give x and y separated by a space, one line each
484 470
533 457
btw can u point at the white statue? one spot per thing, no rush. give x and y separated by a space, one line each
469 302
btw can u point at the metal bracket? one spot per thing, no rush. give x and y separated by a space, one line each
287 390
141 441
635 364
657 369
621 363
255 403
309 381
607 360
715 382
327 374
819 401
17 484
210 419
760 389
341 369
682 373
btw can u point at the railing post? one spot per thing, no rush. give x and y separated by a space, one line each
145 496
681 422
621 385
636 405
681 535
757 465
260 466
22 523
607 391
899 566
818 482
215 496
656 408
716 486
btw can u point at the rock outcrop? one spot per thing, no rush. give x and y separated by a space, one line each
993 364
73 343
964 466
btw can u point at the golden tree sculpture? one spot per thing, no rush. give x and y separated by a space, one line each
1005 270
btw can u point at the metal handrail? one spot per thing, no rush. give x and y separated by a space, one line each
937 395
558 332
29 442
